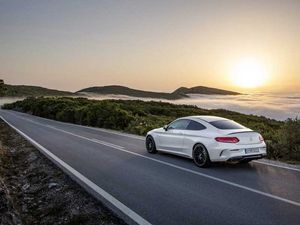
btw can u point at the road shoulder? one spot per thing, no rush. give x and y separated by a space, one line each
34 191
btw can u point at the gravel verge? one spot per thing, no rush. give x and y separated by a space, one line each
34 191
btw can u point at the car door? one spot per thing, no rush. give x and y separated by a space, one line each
194 133
171 139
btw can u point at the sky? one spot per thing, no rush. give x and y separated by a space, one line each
155 45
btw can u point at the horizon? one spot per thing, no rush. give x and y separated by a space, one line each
154 46
167 91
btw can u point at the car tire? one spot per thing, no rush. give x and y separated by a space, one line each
201 156
150 145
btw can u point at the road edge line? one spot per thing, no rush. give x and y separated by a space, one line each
83 180
134 136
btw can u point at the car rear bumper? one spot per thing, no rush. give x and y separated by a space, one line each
238 154
246 157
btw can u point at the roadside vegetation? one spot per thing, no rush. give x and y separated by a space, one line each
138 117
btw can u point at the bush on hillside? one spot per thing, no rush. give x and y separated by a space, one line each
138 117
288 145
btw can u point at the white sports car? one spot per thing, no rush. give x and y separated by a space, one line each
207 139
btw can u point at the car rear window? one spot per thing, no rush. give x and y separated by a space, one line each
226 125
193 125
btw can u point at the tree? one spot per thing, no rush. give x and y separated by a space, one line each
2 88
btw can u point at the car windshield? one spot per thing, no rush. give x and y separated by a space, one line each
226 125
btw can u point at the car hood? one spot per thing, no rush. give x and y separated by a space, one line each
157 130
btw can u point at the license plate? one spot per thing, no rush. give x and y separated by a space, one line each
251 150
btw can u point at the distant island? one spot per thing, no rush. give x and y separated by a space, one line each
24 91
181 92
7 90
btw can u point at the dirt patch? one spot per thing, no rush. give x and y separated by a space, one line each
34 191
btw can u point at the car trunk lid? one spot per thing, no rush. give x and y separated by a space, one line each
245 136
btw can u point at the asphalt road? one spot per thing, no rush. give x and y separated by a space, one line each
161 188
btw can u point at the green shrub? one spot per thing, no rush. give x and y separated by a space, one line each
289 140
139 117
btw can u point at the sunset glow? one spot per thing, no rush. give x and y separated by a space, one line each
151 45
249 73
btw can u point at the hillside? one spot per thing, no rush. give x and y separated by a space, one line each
25 90
7 90
203 90
121 90
177 94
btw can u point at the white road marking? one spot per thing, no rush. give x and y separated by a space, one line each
120 148
280 166
106 143
123 208
76 135
119 133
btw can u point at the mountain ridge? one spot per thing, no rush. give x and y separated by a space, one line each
181 92
8 90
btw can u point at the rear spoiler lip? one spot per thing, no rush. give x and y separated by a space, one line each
249 131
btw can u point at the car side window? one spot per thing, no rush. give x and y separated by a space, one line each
178 125
193 125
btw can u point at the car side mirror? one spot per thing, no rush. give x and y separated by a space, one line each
165 127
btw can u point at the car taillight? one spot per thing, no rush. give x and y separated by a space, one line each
261 138
227 139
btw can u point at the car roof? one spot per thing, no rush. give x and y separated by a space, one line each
205 118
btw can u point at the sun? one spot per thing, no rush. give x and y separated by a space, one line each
249 73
